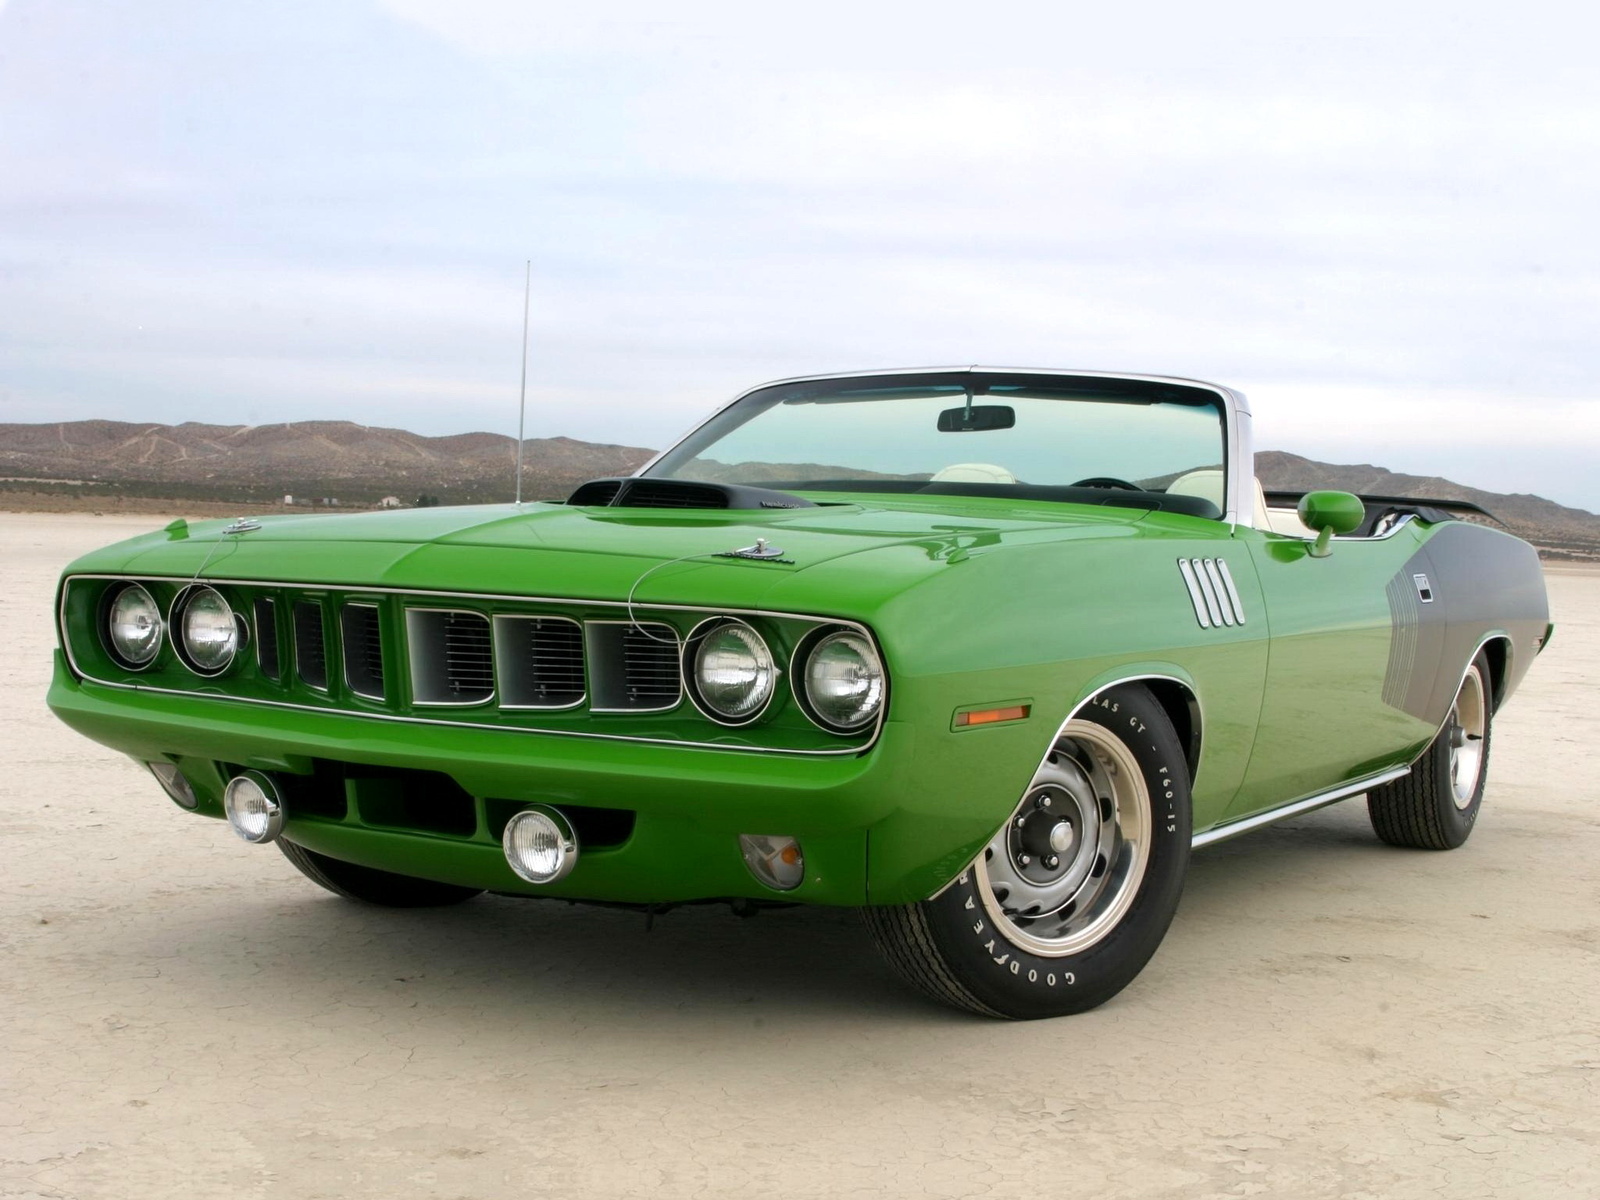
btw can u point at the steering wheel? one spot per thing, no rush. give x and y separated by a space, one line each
1107 481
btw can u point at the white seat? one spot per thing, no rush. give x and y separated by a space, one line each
973 473
1207 484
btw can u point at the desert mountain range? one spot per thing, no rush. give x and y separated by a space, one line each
362 464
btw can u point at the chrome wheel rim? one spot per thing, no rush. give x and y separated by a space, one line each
1469 722
1064 869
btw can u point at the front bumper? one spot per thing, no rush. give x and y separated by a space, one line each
888 826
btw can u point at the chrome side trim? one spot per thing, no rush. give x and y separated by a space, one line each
1218 617
1221 833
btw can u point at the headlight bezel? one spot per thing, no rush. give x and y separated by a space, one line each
694 647
178 622
800 677
108 639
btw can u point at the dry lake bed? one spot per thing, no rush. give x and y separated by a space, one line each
184 1015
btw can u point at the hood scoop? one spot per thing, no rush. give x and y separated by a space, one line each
679 493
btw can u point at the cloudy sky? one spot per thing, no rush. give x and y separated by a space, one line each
1381 222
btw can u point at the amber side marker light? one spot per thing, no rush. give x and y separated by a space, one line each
991 716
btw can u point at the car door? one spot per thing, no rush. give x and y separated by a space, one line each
1343 651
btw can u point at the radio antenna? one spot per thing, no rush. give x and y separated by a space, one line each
522 399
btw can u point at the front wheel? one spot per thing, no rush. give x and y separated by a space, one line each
1436 806
1071 897
370 885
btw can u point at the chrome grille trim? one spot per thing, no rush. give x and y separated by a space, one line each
265 611
633 666
870 734
310 645
361 633
452 657
539 662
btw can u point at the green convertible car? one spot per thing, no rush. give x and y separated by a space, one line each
983 652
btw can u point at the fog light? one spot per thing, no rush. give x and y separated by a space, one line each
253 807
540 845
175 785
775 861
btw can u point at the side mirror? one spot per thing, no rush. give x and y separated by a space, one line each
1330 513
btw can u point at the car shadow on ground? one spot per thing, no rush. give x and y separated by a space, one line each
555 958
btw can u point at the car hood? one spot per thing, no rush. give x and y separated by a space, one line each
656 555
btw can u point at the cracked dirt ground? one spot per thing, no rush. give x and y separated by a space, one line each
184 1015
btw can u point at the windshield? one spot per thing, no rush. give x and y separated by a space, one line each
1033 436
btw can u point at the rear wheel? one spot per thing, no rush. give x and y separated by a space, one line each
371 885
1071 897
1436 806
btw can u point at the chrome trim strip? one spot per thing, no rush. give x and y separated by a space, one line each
1221 833
1060 729
1233 592
1195 598
874 730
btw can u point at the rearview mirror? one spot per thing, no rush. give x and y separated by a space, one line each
977 418
1330 513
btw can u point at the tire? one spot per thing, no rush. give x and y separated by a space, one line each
370 885
1436 806
1044 922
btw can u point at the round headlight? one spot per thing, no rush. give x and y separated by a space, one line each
844 681
209 633
733 674
134 626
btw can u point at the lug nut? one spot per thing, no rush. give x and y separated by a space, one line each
1052 861
1023 860
1021 821
1043 801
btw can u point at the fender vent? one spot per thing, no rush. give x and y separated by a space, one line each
1215 599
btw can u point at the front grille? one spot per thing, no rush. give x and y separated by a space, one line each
266 613
310 648
633 667
363 650
452 656
539 661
